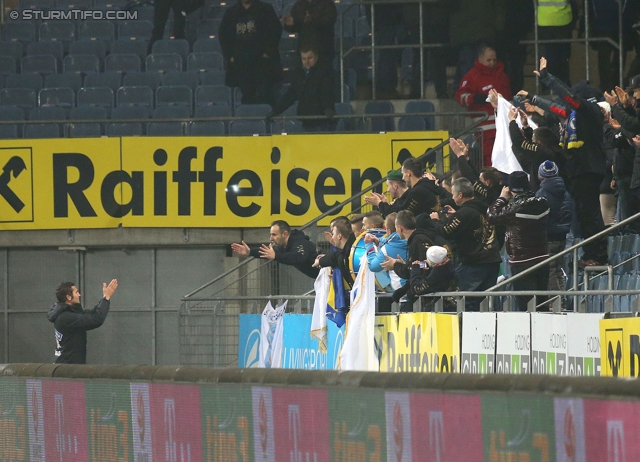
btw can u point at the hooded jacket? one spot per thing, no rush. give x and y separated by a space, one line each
340 259
422 197
584 154
318 30
71 324
441 278
474 238
560 207
526 218
300 253
417 244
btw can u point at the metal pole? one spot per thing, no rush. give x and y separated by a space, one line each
536 46
421 51
153 306
620 45
575 279
6 306
342 58
586 38
373 52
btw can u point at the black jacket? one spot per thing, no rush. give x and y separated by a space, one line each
422 197
530 155
481 191
71 324
589 156
560 207
473 237
397 205
437 279
246 35
313 90
526 218
300 253
417 244
340 259
318 31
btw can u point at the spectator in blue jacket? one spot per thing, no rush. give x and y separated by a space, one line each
553 189
378 249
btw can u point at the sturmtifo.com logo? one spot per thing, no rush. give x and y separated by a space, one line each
73 15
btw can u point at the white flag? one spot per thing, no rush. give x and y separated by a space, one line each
502 156
272 336
319 319
358 351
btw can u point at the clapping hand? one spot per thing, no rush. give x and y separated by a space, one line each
543 66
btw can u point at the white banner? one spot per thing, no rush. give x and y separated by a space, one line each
478 343
549 343
583 330
513 343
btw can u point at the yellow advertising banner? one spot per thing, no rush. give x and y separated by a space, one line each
620 347
419 342
187 182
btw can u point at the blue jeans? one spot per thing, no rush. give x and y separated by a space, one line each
476 277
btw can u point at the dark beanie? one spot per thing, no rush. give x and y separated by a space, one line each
518 182
547 169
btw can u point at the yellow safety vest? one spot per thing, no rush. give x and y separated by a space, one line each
554 13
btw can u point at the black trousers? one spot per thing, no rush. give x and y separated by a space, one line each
585 190
160 16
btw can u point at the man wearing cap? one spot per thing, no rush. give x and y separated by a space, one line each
438 276
397 188
526 218
585 161
552 188
621 108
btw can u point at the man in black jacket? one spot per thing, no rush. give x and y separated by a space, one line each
526 218
312 87
342 238
289 247
313 20
71 322
397 189
423 195
476 247
585 162
249 36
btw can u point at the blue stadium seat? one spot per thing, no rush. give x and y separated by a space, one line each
212 78
174 96
124 129
288 44
165 129
213 94
189 79
135 96
135 30
33 81
60 97
171 112
130 113
9 113
142 79
8 131
36 4
217 110
13 49
41 131
88 47
206 128
422 106
178 46
202 62
48 113
252 110
207 45
88 113
84 130
237 97
96 96
380 124
43 64
136 47
122 63
247 127
46 48
344 125
208 29
165 62
112 80
24 98
411 124
73 81
81 64
19 31
60 31
97 30
7 65
74 4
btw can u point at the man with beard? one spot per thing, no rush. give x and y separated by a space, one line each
423 194
397 188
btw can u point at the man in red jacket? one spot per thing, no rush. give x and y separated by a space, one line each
487 73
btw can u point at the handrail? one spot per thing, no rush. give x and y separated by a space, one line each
483 116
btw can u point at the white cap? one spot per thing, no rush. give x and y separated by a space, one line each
436 255
606 106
